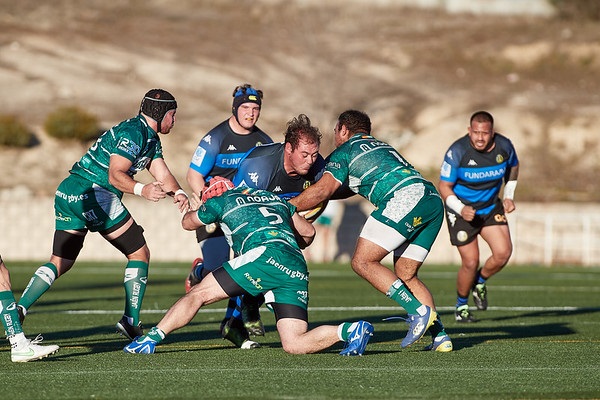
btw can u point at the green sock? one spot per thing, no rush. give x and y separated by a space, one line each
136 277
344 330
156 334
41 281
401 295
8 313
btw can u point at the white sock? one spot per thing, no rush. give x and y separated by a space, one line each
17 340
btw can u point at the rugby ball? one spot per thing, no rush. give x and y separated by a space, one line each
312 214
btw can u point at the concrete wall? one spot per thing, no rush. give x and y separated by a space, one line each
542 233
505 7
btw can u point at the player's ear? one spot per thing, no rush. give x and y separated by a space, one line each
288 147
344 132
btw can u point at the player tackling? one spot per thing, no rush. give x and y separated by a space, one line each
267 235
407 218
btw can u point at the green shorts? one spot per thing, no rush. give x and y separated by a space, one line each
80 204
281 274
413 215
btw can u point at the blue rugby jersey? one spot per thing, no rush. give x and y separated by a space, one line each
262 168
221 149
478 176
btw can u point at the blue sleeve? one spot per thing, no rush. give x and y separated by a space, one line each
513 160
206 153
449 169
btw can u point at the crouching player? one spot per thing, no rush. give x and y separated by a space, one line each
266 235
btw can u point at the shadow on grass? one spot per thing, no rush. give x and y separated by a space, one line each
472 334
201 335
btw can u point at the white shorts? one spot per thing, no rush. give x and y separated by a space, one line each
391 240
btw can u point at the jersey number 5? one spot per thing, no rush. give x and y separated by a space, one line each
268 214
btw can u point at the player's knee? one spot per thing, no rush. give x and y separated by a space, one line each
358 265
407 277
502 256
293 346
143 253
469 263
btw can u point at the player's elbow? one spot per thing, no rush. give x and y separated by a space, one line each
305 241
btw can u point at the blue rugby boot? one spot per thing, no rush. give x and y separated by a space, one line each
358 339
418 325
142 345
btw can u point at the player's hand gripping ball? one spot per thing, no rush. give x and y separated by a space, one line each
312 214
216 187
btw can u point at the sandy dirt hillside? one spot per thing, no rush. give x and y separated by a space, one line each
418 73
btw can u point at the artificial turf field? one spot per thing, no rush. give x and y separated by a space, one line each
540 338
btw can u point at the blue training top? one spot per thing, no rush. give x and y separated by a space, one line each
221 149
478 176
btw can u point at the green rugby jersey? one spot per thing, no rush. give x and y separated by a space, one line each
251 218
132 139
372 168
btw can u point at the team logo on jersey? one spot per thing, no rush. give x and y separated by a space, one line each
207 139
449 154
253 177
306 185
277 189
499 159
462 236
198 156
472 162
446 170
258 144
231 148
417 221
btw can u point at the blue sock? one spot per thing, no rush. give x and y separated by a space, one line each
479 279
197 271
234 308
461 301
237 312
